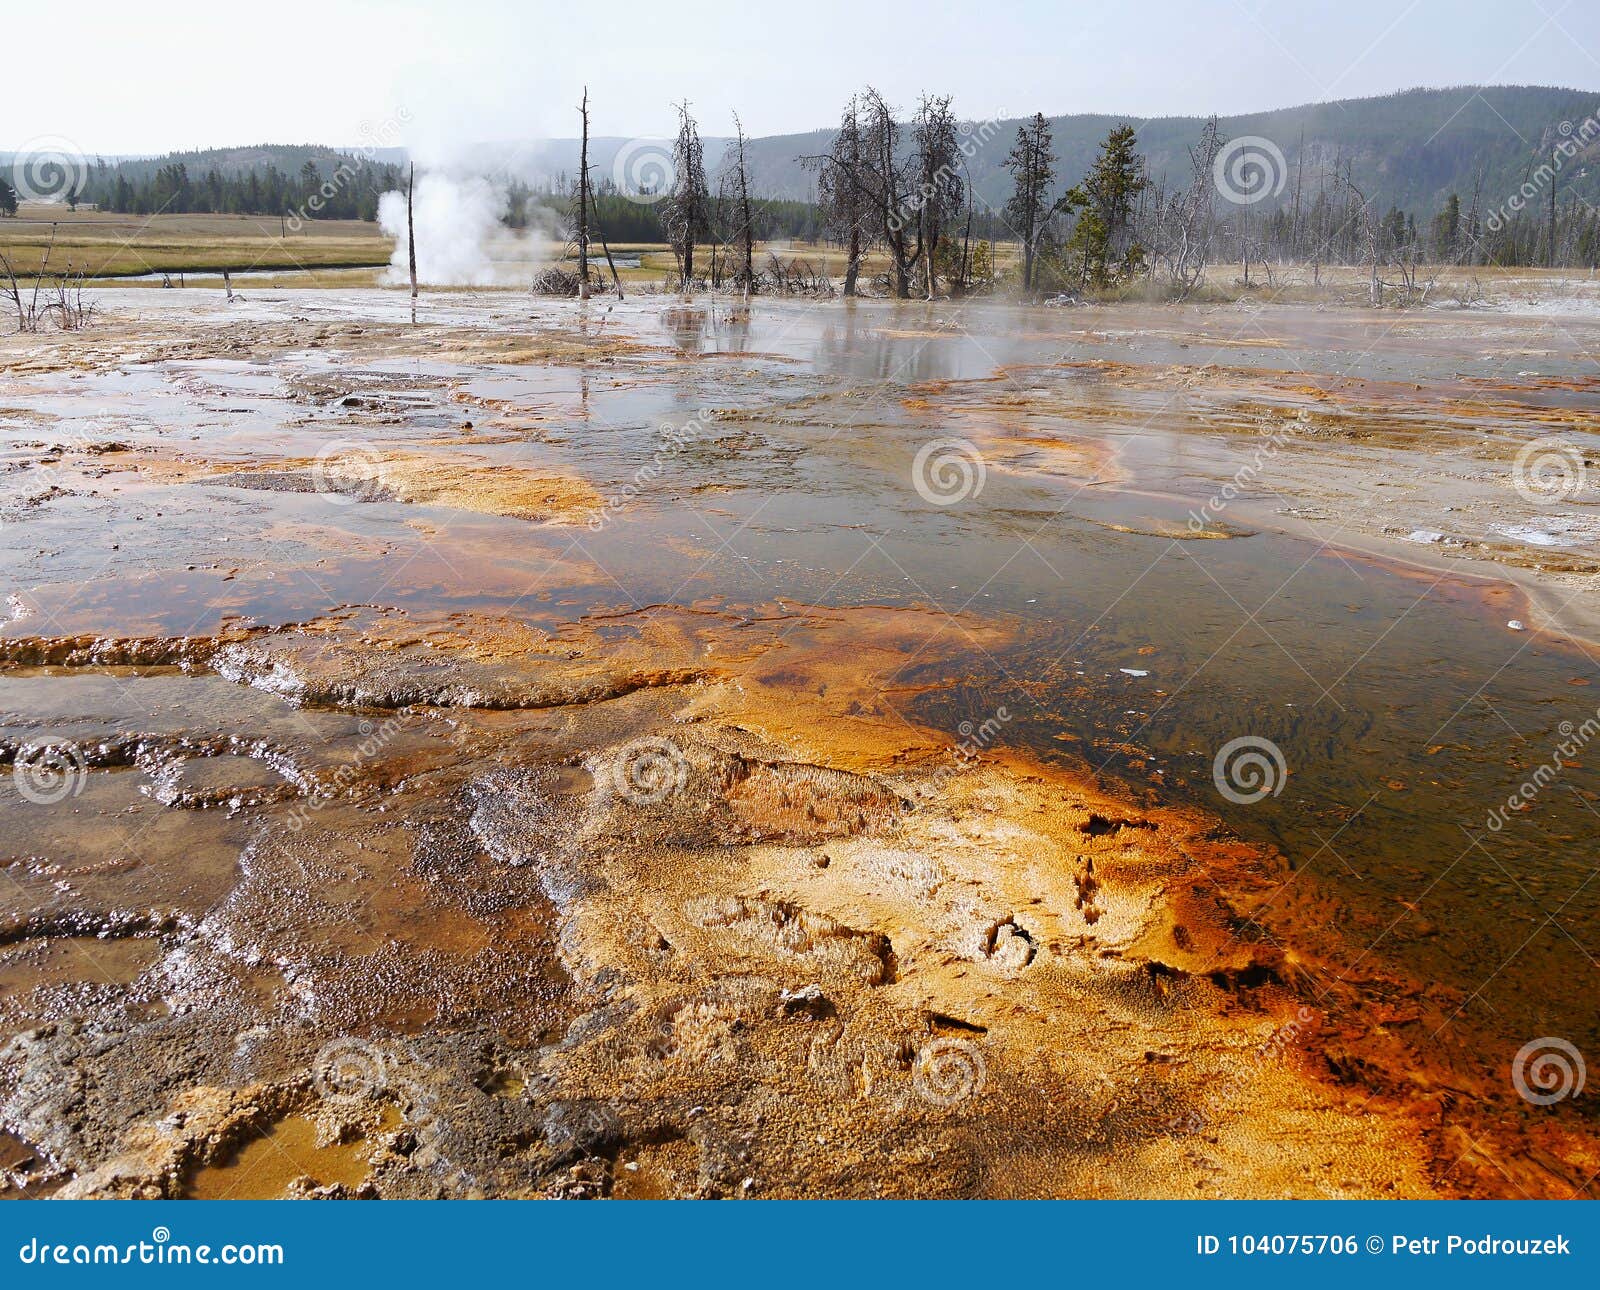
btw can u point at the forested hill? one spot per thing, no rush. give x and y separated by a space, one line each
1408 150
269 179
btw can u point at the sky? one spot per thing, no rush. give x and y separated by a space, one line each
177 74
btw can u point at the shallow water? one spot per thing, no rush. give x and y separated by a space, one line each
1404 708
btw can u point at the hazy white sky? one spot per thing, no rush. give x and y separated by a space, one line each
166 74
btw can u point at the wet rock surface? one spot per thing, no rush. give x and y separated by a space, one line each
609 943
365 835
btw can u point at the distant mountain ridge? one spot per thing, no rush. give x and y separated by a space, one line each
1409 149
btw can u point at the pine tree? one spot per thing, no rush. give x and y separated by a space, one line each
1032 165
1447 230
1104 237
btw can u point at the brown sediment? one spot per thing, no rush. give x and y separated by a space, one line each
1177 532
201 333
425 480
677 900
803 950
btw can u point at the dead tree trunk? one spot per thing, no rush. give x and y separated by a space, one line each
852 266
966 248
600 233
411 233
1299 171
583 201
747 248
1555 175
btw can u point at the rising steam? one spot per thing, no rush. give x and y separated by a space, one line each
460 239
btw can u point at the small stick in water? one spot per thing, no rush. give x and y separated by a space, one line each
411 240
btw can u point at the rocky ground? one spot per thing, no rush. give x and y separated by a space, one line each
667 900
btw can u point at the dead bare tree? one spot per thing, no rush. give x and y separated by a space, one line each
583 200
940 187
1183 224
1469 233
1364 225
886 183
411 238
866 160
1555 176
63 296
1299 174
616 278
746 229
27 318
842 195
686 209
